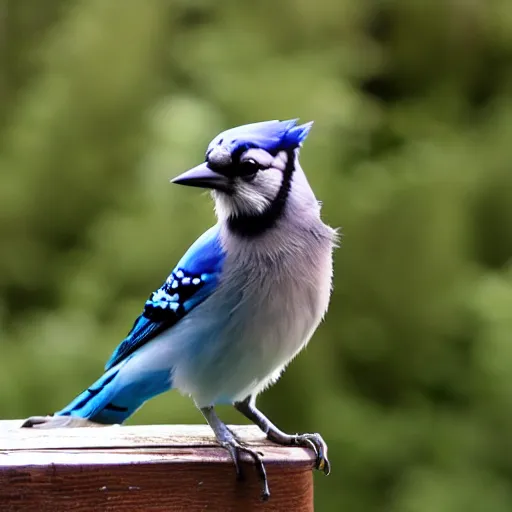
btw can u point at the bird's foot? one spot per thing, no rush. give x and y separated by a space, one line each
313 441
44 422
235 449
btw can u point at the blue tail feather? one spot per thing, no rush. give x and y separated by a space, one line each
114 397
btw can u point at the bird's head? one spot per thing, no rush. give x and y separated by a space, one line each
251 172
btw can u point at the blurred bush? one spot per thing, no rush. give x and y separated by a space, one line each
102 102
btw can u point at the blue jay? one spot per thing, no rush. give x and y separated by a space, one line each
241 303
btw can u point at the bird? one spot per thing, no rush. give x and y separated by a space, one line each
241 303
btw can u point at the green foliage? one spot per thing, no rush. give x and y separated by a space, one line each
409 379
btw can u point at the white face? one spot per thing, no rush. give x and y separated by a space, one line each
253 192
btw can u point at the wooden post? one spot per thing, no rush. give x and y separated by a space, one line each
146 468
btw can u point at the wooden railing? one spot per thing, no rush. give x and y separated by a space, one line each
145 468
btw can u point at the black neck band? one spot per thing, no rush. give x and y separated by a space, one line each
248 225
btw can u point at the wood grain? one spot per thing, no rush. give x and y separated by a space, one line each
145 468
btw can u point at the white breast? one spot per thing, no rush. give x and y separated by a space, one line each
265 310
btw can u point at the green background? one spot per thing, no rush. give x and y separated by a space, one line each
410 377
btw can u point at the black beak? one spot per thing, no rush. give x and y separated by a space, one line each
202 176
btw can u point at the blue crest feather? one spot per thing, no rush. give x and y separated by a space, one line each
269 135
296 135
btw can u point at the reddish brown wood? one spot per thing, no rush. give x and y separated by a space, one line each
133 469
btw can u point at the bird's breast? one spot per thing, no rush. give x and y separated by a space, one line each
261 315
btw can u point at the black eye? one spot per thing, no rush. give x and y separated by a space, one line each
248 168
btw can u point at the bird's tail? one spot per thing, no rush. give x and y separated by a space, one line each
116 395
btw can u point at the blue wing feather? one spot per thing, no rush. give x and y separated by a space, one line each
190 283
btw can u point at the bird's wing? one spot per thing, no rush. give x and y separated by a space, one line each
190 283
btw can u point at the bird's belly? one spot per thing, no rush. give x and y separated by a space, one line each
223 354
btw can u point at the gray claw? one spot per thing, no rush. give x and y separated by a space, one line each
235 449
316 442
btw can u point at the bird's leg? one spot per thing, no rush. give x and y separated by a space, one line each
248 408
227 440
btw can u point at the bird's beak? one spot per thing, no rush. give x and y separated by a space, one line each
202 176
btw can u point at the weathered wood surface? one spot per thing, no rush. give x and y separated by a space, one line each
145 468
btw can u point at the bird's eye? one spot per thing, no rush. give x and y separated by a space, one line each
248 169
